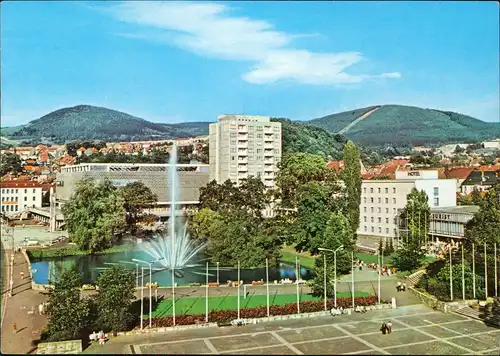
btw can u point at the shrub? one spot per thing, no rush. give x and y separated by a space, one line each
224 316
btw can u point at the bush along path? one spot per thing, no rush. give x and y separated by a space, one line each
225 316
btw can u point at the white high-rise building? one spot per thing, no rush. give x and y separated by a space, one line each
381 199
242 146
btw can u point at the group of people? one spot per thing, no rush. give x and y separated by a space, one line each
100 336
386 328
337 311
401 287
383 270
42 308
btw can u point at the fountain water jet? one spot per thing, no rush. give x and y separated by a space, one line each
173 249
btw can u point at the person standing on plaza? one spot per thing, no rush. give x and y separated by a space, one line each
398 286
389 327
14 327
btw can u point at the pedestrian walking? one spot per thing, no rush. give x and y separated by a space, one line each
22 275
40 308
14 327
404 286
389 327
398 286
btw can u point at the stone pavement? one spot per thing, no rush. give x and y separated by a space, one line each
22 309
416 330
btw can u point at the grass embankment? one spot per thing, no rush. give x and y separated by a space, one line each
73 250
196 305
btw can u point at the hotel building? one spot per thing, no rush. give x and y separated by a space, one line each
381 200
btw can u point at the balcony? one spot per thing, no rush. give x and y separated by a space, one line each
242 168
242 152
242 176
243 160
242 128
268 153
242 143
268 168
268 146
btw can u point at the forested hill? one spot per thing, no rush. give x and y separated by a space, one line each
399 125
85 122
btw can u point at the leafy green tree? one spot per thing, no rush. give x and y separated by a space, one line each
250 197
316 202
415 220
381 247
201 223
136 196
114 299
338 233
296 170
10 163
233 237
485 225
95 216
69 314
351 175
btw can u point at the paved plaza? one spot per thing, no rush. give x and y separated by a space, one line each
416 330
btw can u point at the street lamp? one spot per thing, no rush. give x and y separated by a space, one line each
334 270
150 286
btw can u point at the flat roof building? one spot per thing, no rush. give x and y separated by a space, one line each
155 176
381 200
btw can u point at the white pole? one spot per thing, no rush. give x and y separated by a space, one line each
352 276
206 297
217 272
324 279
142 296
463 274
496 272
267 287
150 296
379 284
451 278
239 290
485 273
173 295
297 282
473 272
335 278
136 275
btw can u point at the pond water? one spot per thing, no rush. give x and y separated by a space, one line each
92 265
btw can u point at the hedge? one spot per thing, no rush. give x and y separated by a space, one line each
225 316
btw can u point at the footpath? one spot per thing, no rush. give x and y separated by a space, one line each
21 308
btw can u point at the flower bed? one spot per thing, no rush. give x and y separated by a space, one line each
225 316
257 283
213 284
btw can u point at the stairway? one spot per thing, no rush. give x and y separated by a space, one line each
414 278
476 314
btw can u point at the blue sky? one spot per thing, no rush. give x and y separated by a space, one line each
175 62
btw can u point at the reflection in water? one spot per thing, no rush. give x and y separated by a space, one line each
92 266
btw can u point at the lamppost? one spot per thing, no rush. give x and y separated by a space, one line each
334 271
150 286
217 272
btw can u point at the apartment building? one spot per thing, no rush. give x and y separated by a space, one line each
19 195
242 146
381 199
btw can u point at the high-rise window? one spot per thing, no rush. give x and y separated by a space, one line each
436 201
436 191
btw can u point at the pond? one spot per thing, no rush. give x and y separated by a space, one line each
92 265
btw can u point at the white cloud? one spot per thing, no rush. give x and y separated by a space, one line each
211 30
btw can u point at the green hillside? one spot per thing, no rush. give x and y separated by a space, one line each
336 122
304 137
399 125
96 123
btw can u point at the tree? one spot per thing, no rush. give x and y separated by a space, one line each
338 233
94 215
250 197
10 163
296 170
114 299
485 224
233 237
316 202
351 175
68 313
459 149
414 220
136 196
201 224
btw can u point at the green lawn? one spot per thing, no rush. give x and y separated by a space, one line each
288 255
196 305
